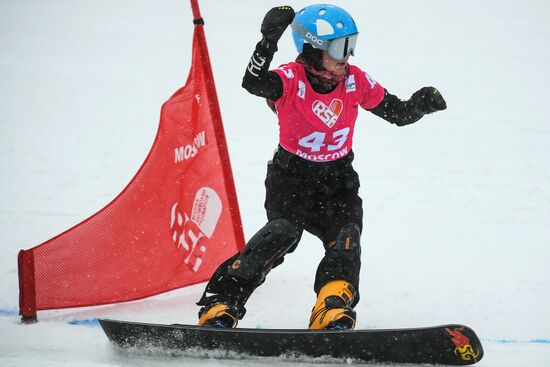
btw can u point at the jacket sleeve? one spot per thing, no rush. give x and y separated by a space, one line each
258 80
396 111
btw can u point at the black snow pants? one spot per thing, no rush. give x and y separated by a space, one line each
318 197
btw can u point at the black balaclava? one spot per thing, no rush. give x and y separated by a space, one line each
322 80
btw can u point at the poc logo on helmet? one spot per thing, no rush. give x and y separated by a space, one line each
314 39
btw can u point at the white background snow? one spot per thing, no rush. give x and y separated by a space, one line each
457 206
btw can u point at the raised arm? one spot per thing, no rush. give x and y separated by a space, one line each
257 79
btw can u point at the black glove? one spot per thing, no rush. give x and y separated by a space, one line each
427 100
275 23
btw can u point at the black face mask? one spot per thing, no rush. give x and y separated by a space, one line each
313 56
322 80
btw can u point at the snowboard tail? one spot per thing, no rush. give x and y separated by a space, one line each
446 344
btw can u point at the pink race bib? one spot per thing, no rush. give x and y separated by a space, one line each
319 127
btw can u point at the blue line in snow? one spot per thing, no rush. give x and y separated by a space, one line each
505 341
515 341
8 312
84 322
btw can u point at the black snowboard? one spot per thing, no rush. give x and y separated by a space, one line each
445 344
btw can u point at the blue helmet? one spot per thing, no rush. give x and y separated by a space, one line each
326 27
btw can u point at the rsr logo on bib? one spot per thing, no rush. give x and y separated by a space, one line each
328 114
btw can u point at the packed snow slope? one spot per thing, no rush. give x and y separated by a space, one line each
457 206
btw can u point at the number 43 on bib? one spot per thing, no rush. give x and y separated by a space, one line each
317 140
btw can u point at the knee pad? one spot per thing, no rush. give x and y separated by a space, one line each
223 288
264 250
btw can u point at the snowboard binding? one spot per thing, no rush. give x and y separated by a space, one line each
333 311
218 315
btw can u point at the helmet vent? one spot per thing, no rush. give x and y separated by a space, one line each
340 25
322 11
324 28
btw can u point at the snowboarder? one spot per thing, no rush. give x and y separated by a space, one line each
311 184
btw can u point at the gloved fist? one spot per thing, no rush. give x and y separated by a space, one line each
428 100
275 22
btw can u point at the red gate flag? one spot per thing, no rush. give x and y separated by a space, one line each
174 223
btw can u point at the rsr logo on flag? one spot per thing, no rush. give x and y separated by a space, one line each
188 232
328 114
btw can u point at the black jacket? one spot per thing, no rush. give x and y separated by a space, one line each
261 82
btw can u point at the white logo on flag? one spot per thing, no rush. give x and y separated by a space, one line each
188 232
189 151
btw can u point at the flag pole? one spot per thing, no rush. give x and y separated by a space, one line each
214 107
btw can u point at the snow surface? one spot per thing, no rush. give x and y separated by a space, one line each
457 223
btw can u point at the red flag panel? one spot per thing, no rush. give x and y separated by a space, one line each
174 223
